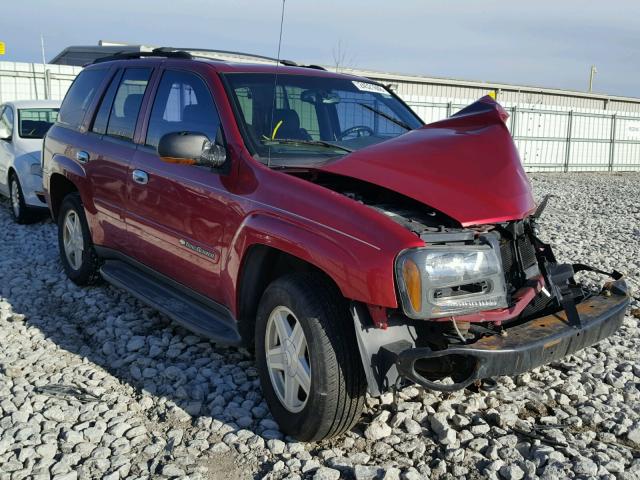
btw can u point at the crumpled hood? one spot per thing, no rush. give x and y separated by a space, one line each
466 166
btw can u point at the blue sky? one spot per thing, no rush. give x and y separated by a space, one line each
542 43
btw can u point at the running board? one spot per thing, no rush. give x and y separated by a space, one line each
202 316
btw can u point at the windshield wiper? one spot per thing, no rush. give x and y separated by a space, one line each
319 143
391 118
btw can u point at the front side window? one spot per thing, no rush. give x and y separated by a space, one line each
35 122
6 121
298 119
127 102
80 95
183 103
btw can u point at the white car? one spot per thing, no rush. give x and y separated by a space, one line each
23 125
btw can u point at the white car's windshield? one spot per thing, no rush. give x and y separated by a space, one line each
315 117
35 122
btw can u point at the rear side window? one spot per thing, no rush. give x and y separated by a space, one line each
183 103
127 102
80 95
102 117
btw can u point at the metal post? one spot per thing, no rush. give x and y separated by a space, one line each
592 73
449 109
612 146
514 114
568 149
44 70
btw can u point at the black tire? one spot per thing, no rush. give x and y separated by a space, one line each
338 385
24 214
88 271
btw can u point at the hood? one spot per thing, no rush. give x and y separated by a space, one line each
466 166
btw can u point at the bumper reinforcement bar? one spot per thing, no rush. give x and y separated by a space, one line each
526 346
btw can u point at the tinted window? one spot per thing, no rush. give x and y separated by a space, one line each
35 122
183 103
127 102
102 117
79 96
6 119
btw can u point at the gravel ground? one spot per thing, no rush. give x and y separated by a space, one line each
93 384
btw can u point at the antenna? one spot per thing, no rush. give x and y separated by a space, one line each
275 80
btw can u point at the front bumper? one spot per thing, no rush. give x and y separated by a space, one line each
526 346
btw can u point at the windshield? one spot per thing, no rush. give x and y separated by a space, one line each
315 118
35 122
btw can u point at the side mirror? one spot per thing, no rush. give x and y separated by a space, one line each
191 148
5 134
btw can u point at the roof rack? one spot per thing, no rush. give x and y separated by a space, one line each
156 52
170 52
291 63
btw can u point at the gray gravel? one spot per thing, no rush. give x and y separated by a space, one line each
94 384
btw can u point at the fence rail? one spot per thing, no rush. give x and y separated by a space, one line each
562 140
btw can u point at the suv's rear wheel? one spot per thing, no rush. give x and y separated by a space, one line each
310 369
79 259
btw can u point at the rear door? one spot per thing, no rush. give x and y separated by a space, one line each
108 157
176 212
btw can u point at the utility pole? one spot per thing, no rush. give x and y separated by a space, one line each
592 74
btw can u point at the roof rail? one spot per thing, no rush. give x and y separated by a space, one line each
227 52
316 67
170 52
156 52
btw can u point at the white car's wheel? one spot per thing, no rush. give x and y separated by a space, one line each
19 210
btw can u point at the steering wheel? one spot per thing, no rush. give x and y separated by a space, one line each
357 129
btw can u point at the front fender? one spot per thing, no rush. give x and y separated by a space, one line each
362 271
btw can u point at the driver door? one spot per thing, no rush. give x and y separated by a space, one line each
176 212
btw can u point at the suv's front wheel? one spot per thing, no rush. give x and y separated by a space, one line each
79 259
310 369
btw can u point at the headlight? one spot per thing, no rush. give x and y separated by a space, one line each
35 169
443 281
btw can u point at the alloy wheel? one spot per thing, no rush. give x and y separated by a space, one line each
73 240
287 355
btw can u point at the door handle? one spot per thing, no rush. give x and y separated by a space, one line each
140 177
82 156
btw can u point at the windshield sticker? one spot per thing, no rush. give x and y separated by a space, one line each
370 87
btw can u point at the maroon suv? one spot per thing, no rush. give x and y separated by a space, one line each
313 217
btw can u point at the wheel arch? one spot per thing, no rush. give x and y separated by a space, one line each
59 187
261 265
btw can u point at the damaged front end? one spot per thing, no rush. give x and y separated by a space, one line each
542 313
483 296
